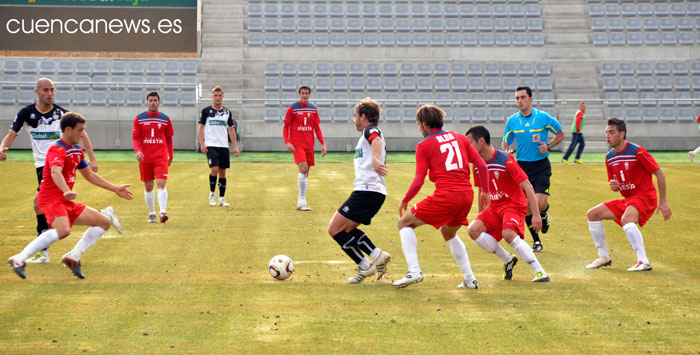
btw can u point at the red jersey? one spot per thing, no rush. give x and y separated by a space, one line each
153 136
300 124
71 158
505 177
632 167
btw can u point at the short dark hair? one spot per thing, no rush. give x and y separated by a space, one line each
71 119
619 124
153 93
431 115
479 131
370 108
526 88
304 87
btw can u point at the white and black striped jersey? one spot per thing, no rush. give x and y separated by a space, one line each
44 129
366 179
216 124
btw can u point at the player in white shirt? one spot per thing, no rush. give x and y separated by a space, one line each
367 197
43 125
216 125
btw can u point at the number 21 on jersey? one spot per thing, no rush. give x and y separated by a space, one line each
453 152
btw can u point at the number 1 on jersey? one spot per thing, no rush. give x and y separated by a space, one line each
452 149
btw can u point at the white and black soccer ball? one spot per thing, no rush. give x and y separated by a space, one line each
281 267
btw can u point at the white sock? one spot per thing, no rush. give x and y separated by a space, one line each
635 237
525 253
303 181
150 201
89 239
486 242
375 254
459 252
162 199
365 263
598 232
409 244
39 243
696 151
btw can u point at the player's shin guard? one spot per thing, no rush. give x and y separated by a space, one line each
212 183
222 187
635 237
533 233
526 254
39 243
598 232
303 181
409 244
162 199
150 201
349 245
90 237
459 252
363 241
486 242
41 224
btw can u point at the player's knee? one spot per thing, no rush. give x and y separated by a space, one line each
509 235
62 232
593 215
474 231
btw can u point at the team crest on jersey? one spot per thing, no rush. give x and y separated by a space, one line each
496 173
32 116
627 166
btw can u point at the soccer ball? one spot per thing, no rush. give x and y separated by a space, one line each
281 267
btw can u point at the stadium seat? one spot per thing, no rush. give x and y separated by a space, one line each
468 25
610 84
644 68
387 40
410 100
290 84
493 84
272 99
492 69
47 67
392 115
478 99
272 84
516 10
628 84
650 115
485 24
526 69
441 69
644 10
459 84
357 69
651 38
65 67
288 25
323 69
305 40
679 68
26 97
476 84
600 39
476 69
288 69
442 84
458 68
255 39
7 97
374 84
496 115
272 115
136 67
29 67
406 69
304 25
494 99
686 38
323 99
469 39
81 98
134 83
321 39
479 115
288 39
535 25
664 83
510 84
682 98
613 99
633 115
685 114
681 83
452 25
98 98
486 39
101 82
648 99
463 115
255 25
425 84
154 68
420 39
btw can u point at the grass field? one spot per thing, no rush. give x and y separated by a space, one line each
199 283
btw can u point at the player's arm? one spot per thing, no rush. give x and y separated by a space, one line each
232 134
507 138
418 179
60 181
579 119
532 202
136 139
7 143
663 207
377 164
87 144
285 130
319 135
200 135
97 180
169 133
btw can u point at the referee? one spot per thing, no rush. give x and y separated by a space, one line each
530 129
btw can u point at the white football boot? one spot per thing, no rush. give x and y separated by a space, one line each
409 279
361 274
600 262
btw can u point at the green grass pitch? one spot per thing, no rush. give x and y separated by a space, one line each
199 283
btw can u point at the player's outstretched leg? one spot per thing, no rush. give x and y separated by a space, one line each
163 204
42 257
113 218
409 244
150 197
39 243
349 245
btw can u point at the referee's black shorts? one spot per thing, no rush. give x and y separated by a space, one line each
218 156
361 206
538 172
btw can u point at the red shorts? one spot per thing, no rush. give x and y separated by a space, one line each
153 170
60 207
498 221
306 155
645 204
445 208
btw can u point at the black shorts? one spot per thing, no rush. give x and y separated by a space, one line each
538 172
39 175
361 206
217 156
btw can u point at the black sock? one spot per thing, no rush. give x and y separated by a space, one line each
349 245
363 241
212 183
222 187
544 213
535 236
41 224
